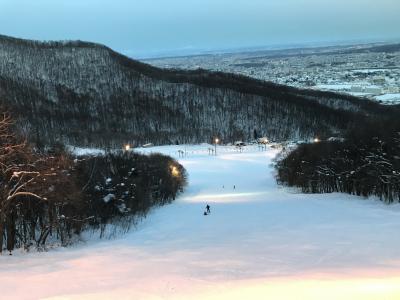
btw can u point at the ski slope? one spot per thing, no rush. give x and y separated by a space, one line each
261 241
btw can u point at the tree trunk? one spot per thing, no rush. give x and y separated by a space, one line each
11 231
1 231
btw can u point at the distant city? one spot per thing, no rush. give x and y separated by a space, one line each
368 70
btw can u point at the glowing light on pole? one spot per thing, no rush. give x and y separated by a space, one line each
216 142
174 171
127 147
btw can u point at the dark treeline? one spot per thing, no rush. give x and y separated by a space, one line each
366 163
124 184
86 94
51 197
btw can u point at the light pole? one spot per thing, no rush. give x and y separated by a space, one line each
216 142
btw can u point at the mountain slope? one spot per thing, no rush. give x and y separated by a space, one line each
87 94
259 242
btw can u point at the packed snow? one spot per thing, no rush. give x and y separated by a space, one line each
260 241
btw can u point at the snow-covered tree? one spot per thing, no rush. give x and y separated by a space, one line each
28 179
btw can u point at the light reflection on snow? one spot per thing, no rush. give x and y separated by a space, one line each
258 289
227 197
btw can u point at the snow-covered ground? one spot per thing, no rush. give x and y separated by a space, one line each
261 241
378 93
335 87
389 98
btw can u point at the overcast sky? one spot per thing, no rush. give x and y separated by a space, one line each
149 27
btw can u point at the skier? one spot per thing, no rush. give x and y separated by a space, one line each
234 187
208 209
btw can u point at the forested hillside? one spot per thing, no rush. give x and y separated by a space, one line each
86 94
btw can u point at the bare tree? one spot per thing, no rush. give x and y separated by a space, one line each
14 177
26 176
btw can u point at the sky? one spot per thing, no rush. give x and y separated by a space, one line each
146 28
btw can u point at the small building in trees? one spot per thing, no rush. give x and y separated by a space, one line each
263 140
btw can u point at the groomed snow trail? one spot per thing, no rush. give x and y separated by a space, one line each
260 241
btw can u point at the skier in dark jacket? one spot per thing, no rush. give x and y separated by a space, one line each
208 209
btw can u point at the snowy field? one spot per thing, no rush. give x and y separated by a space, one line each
383 96
261 241
390 98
